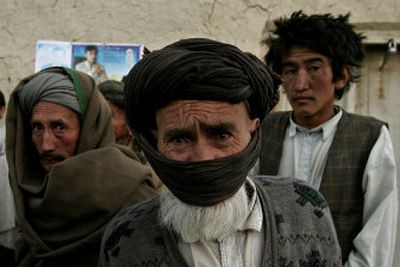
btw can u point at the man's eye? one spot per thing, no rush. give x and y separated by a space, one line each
313 68
36 128
223 136
288 71
178 141
59 128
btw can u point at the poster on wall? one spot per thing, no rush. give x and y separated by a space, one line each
52 53
99 60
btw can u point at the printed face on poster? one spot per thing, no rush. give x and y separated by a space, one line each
52 53
101 61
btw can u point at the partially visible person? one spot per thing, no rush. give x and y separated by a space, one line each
90 65
195 107
68 176
347 157
2 125
7 208
113 91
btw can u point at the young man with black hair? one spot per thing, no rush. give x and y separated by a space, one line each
2 127
347 157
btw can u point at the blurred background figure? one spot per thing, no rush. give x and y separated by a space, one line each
113 91
7 208
2 127
90 65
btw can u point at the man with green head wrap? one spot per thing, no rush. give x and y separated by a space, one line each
68 177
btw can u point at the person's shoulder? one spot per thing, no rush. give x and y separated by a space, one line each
275 119
132 229
135 214
296 202
276 181
133 219
287 189
80 64
112 152
364 120
276 115
81 67
300 216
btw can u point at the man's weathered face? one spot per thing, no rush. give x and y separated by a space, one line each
308 82
55 133
123 134
91 56
192 130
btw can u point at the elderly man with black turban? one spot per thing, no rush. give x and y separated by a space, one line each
196 106
67 175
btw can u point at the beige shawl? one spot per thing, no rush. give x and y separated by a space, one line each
62 215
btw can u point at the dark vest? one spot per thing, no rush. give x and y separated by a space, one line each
342 177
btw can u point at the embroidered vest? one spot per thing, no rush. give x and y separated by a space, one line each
342 177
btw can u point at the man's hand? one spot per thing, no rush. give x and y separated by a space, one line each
97 69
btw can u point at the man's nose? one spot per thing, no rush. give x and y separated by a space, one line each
204 151
301 82
48 142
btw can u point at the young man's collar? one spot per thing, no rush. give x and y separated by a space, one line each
326 128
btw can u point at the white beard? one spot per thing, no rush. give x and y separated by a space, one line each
204 223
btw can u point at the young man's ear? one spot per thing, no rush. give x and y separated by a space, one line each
342 82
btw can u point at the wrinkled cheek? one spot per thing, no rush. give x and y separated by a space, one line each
287 85
174 153
36 143
70 146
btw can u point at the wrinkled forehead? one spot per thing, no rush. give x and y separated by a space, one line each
47 111
189 112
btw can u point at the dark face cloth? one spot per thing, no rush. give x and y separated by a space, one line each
204 183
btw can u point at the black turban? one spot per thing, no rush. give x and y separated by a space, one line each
196 69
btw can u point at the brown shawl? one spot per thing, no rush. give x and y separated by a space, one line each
62 215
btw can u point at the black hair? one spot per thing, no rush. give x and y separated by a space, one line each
2 99
91 48
333 37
